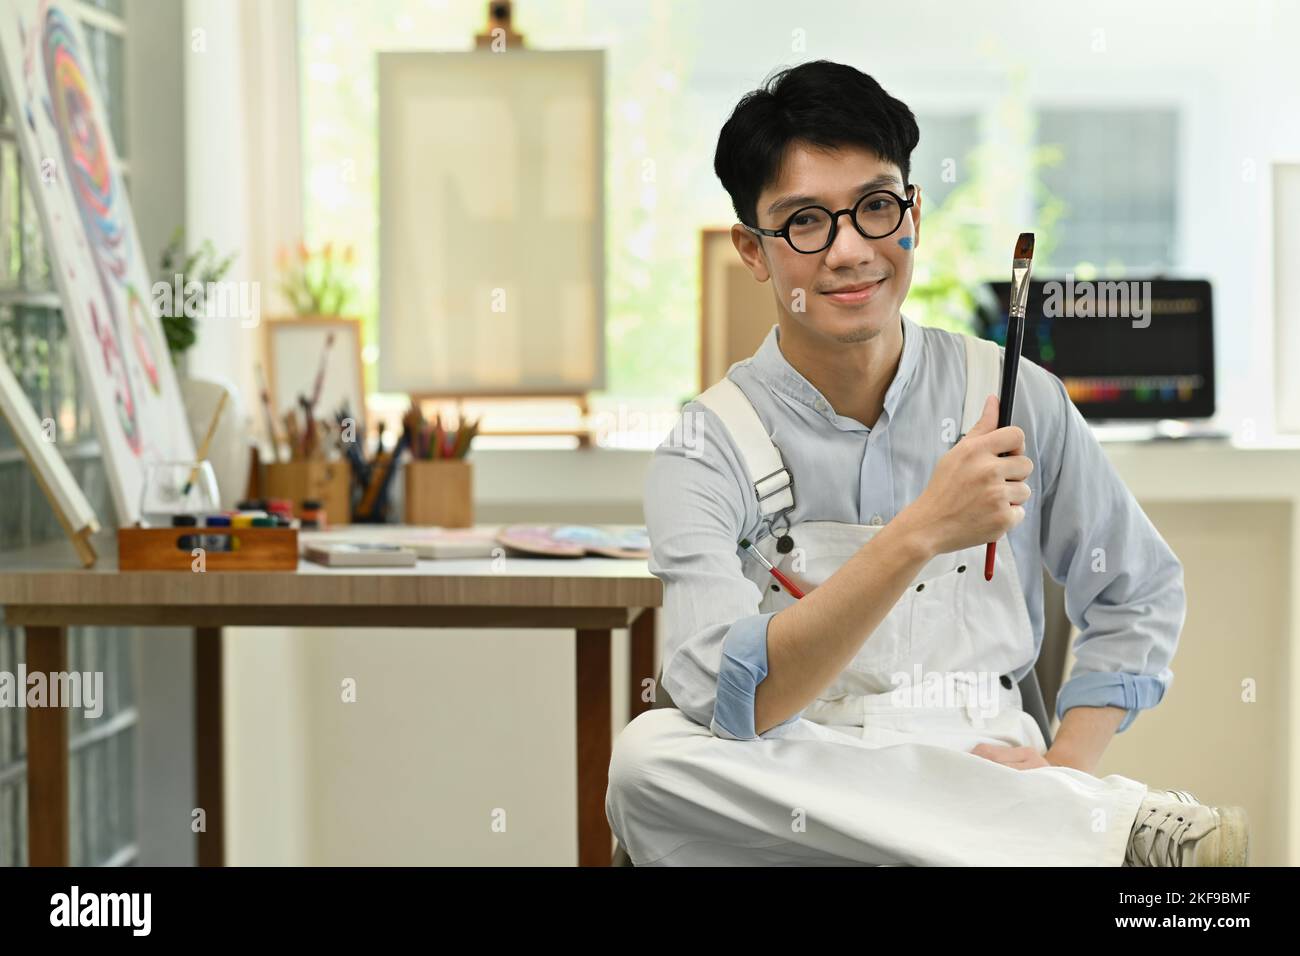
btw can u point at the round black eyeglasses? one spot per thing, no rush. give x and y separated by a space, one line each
813 228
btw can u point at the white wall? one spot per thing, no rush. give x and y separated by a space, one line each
243 172
217 185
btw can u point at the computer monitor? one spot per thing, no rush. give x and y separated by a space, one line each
1124 351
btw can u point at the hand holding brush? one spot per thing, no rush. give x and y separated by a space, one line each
1021 266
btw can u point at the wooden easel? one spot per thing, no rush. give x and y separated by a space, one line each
582 431
75 515
500 31
80 537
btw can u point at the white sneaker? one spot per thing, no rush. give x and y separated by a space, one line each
1173 829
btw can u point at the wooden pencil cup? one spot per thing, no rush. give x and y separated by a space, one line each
328 481
440 493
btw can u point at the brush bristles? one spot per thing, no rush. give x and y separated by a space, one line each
1024 246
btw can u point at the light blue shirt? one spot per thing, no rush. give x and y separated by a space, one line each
1123 583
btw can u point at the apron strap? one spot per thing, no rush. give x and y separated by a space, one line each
772 480
983 378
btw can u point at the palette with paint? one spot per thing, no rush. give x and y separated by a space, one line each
575 541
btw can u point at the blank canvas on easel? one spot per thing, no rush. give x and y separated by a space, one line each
491 218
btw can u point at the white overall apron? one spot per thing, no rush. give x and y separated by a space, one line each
878 768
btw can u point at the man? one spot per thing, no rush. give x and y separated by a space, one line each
803 729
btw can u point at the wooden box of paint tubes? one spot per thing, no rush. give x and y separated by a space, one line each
240 540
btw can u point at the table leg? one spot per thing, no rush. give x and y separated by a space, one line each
641 662
595 744
47 756
207 745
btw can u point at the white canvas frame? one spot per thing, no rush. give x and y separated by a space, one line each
492 262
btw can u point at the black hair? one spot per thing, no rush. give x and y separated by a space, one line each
821 103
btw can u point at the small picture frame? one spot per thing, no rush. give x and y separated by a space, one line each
736 312
293 348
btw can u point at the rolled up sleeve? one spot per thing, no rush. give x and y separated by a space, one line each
714 636
1123 584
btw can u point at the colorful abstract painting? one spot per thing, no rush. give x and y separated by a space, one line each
95 252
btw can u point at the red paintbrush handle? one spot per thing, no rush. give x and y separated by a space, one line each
789 585
989 552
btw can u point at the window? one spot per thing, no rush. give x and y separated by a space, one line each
940 157
34 343
1124 220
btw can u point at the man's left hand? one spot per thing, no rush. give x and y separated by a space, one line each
1019 758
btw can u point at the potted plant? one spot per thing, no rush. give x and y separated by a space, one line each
178 269
317 282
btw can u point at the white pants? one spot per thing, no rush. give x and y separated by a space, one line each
904 791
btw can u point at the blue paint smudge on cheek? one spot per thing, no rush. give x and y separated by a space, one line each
906 242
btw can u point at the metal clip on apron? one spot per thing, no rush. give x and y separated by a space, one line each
939 668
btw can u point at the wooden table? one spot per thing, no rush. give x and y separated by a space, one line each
44 591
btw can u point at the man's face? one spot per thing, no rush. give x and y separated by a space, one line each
803 283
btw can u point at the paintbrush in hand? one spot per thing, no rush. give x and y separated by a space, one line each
1021 265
